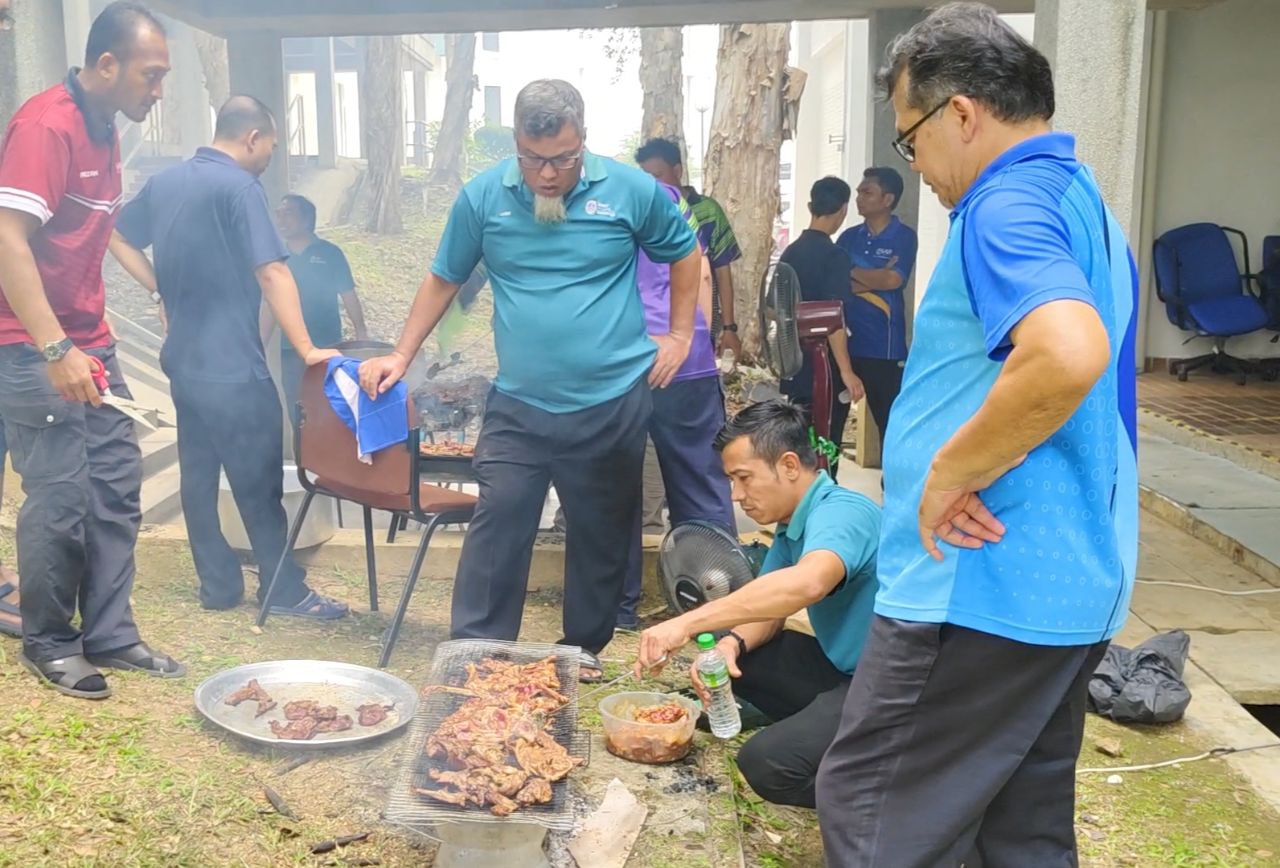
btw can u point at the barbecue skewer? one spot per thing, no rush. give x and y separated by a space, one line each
623 677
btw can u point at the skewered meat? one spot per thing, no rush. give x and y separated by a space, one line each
252 690
371 714
297 730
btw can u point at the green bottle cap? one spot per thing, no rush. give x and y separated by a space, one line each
706 641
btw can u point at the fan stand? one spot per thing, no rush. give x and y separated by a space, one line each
816 321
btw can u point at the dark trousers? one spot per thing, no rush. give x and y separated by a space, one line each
236 428
791 680
800 390
956 746
883 381
81 471
594 457
686 418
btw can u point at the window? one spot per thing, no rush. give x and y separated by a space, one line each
784 171
493 106
489 41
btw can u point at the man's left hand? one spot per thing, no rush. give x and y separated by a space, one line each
659 643
731 341
956 515
673 349
317 355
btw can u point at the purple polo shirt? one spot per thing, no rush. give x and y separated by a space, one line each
654 281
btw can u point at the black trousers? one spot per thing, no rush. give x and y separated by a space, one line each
594 457
81 471
234 427
791 680
883 381
955 747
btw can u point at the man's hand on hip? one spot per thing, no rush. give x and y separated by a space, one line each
673 349
955 514
380 374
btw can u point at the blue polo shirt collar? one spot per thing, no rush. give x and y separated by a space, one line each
593 171
889 228
794 529
207 153
1060 146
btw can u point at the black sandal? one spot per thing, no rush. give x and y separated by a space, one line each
590 669
10 614
68 676
139 658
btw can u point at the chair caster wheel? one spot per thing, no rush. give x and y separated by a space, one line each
1240 379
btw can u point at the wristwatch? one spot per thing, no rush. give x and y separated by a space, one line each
729 327
55 350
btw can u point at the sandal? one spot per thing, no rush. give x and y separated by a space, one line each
71 676
314 606
139 658
10 614
590 669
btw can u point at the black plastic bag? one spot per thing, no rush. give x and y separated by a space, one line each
1143 684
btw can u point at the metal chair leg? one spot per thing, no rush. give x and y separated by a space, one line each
370 564
393 528
265 609
393 632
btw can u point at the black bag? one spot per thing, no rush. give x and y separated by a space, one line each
1143 684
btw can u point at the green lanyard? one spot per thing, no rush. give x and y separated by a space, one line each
823 446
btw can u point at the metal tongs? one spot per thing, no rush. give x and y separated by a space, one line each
623 677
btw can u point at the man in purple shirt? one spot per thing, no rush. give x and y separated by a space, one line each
687 415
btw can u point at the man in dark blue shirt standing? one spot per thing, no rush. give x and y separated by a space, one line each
217 256
323 275
883 251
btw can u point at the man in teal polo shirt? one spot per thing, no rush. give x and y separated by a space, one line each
558 229
823 558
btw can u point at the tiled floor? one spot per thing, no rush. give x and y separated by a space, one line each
1248 415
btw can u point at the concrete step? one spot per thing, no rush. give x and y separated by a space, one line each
159 450
161 498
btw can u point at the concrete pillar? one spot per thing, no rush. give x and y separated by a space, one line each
882 26
33 54
1098 49
184 87
419 114
326 115
256 62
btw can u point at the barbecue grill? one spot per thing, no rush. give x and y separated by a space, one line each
449 668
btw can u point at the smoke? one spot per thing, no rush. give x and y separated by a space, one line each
549 209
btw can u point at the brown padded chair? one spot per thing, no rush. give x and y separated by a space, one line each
327 465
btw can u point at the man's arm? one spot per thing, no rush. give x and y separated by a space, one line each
673 347
355 313
839 343
133 261
72 376
877 278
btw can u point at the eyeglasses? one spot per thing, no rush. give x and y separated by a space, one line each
560 163
905 143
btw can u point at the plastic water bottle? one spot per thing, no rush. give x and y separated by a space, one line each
722 710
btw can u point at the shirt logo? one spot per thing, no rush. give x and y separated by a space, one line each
89 173
504 213
596 208
884 251
318 260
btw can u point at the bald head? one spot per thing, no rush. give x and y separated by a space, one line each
247 131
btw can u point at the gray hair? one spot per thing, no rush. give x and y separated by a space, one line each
544 106
965 49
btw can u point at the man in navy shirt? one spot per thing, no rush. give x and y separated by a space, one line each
217 256
883 251
1010 527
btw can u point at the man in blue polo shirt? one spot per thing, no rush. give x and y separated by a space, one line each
883 251
823 558
558 229
1010 522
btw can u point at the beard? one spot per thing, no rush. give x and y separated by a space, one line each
549 209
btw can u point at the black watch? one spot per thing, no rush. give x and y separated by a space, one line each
54 351
729 327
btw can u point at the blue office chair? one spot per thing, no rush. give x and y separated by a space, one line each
1269 283
1206 292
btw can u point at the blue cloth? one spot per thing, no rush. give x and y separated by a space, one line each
568 323
210 227
847 524
877 320
377 422
1028 232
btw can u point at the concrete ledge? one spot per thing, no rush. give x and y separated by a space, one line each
1185 519
1210 444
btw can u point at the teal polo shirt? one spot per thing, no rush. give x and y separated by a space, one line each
847 524
568 322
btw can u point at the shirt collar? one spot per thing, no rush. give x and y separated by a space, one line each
594 169
1058 146
889 227
99 132
794 529
207 153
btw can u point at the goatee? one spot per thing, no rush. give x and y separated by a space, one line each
549 209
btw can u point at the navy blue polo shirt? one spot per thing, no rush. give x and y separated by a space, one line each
209 226
322 274
823 271
877 320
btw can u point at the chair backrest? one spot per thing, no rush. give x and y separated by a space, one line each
1195 263
327 447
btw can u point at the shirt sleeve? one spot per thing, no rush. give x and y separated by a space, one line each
254 229
661 230
1017 257
850 531
722 246
134 221
462 245
33 169
775 558
836 275
905 250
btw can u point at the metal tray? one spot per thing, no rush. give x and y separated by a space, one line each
342 684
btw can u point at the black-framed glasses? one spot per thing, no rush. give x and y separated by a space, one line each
905 143
560 163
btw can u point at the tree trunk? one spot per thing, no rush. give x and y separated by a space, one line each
662 80
756 99
213 59
383 97
455 124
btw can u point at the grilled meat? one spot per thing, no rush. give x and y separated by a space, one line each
371 714
297 730
536 792
299 709
337 723
252 690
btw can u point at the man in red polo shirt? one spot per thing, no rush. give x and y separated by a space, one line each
79 460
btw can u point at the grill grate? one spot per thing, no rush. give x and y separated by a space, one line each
449 667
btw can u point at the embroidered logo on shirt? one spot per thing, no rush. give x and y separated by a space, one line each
596 208
89 173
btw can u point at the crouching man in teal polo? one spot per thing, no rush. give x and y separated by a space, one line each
558 229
